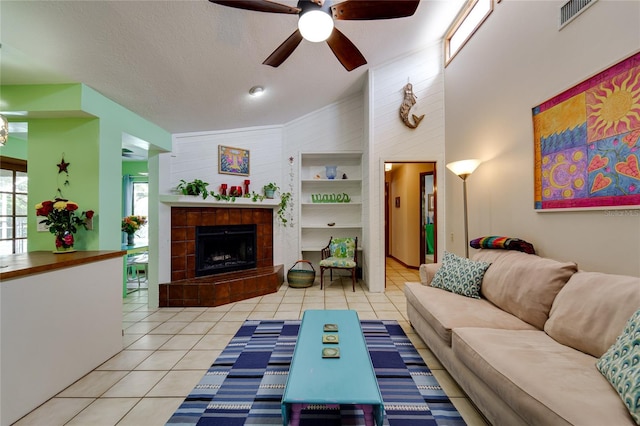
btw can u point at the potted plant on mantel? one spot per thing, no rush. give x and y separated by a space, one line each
195 187
198 187
270 189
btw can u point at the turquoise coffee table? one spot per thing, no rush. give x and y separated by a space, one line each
349 379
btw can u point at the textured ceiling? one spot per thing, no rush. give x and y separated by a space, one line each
187 65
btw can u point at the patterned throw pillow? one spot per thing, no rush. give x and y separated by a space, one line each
342 247
460 275
620 365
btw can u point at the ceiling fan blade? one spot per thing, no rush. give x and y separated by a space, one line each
284 50
259 6
374 9
346 52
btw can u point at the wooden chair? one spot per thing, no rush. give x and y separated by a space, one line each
340 253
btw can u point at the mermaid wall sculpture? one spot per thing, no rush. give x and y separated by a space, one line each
407 103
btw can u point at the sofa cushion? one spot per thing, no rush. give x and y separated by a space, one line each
523 284
592 309
620 365
445 311
543 381
427 271
460 275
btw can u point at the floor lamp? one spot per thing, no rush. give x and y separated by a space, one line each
463 169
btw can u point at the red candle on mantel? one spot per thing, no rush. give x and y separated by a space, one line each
246 186
223 189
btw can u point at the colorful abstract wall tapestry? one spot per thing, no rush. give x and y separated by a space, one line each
587 142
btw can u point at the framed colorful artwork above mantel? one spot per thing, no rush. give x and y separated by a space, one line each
587 142
233 161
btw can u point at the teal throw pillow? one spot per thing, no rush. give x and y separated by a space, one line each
460 275
620 365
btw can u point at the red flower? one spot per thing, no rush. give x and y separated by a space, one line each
44 208
71 206
89 214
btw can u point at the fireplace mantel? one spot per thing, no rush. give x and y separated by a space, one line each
197 201
185 289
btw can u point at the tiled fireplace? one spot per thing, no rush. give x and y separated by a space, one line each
188 289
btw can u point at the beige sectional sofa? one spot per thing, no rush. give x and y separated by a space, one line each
526 351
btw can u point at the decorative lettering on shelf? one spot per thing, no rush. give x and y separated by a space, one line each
330 198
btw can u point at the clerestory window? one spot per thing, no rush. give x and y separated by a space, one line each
468 21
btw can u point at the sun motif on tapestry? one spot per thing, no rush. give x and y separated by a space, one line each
587 141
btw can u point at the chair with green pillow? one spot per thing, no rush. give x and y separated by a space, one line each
340 253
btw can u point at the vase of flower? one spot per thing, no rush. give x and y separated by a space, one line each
63 220
64 242
131 224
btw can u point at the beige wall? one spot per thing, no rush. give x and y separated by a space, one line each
515 61
404 221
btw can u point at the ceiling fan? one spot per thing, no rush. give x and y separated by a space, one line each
326 12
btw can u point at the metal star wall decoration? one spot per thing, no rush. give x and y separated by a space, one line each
63 166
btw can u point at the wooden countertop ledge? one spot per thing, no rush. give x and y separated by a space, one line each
24 264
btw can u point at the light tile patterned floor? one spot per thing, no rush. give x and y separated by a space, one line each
168 350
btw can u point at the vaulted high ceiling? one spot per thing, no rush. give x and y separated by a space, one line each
187 65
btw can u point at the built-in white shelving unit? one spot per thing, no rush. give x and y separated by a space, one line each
315 217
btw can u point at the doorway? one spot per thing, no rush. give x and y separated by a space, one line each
410 212
427 215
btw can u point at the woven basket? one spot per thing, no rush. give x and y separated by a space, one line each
301 278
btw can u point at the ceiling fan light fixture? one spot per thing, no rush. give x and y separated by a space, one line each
315 25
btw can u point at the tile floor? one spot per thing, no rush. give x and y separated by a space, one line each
168 350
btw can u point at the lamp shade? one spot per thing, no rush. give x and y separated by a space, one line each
315 25
463 168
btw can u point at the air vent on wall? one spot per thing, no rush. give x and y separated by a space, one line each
571 9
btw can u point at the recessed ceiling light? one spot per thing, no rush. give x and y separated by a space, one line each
256 91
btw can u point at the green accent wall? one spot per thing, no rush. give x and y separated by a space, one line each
134 168
14 148
88 128
77 140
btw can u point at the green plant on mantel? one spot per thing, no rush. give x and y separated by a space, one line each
272 186
195 187
254 196
199 187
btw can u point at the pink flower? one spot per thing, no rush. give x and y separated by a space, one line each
68 239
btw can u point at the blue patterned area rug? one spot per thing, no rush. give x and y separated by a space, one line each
245 384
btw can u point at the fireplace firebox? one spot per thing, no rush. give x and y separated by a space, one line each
225 249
